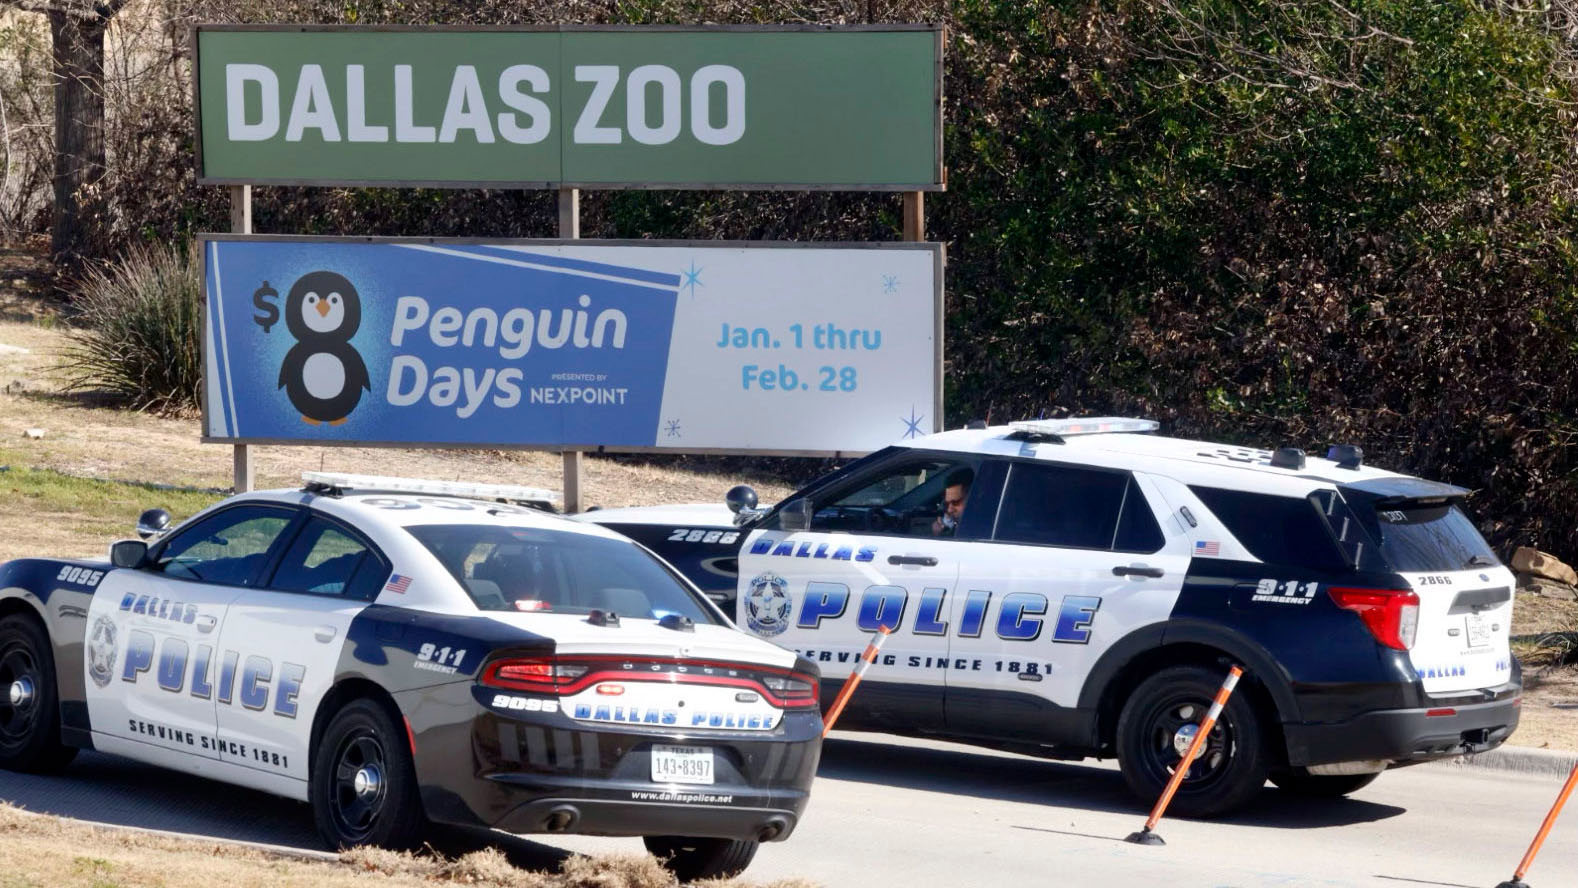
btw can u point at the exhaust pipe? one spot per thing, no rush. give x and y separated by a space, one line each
561 818
772 829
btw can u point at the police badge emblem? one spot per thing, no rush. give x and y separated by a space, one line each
767 605
101 651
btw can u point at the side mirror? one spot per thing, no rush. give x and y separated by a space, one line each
153 523
128 553
741 500
796 515
740 496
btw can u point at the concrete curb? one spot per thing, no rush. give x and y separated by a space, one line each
1519 760
261 847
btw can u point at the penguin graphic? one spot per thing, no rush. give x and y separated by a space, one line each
322 373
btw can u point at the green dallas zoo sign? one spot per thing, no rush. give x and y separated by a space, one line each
649 107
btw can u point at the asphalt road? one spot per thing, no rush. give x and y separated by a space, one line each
893 812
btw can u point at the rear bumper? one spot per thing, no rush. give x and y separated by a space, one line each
543 772
1406 736
604 809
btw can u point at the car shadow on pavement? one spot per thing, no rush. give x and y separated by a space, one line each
109 789
989 775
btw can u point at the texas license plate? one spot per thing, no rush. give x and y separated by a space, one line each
1478 629
681 764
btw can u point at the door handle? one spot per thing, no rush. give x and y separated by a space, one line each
1132 571
922 560
324 634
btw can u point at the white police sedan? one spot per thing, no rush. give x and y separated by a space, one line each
399 652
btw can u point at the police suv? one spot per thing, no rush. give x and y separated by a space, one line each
397 651
1099 581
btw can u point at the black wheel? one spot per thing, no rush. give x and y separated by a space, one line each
1302 782
363 782
690 859
29 701
1154 730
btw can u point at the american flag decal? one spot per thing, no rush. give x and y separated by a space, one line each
397 584
1207 547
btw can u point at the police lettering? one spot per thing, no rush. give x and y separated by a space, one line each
1021 616
788 549
159 608
179 668
637 715
170 734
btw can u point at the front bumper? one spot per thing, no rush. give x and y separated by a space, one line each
545 772
1407 736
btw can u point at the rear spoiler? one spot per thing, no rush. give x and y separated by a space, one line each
1397 489
1347 529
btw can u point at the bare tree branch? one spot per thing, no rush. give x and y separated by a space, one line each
83 10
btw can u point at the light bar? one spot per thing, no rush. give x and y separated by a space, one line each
1092 425
392 484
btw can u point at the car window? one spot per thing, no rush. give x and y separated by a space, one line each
1054 505
1281 530
228 548
1355 542
903 500
323 560
553 571
1137 527
1433 537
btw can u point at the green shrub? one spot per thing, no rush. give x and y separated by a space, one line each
141 327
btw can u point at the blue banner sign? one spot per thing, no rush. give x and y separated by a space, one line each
778 348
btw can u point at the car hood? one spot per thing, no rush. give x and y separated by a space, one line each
680 515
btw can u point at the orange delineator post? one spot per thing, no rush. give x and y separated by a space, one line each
1145 836
1545 829
854 678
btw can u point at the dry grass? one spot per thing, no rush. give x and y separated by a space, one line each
83 438
1550 709
38 850
1545 639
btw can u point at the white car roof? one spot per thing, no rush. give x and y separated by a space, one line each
369 512
1191 462
370 509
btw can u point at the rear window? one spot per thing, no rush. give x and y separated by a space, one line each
1434 537
1279 530
552 571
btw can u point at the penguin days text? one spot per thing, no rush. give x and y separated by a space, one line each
512 335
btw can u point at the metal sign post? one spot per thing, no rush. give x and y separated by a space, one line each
574 460
241 223
914 214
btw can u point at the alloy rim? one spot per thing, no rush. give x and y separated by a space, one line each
359 786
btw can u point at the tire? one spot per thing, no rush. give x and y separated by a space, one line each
690 859
29 726
363 788
1302 782
1232 766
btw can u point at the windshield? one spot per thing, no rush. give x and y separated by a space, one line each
552 571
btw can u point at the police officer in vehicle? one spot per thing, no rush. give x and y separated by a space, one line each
954 494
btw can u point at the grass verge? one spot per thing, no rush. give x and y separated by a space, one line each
53 513
38 850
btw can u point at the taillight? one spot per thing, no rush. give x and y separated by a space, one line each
795 690
562 676
537 675
1391 615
